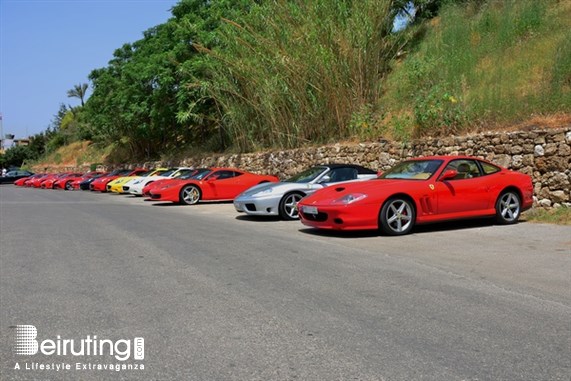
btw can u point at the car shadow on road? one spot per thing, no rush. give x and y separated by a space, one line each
199 205
419 229
247 218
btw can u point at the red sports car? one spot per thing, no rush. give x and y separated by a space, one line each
64 182
100 184
216 184
421 190
25 180
48 181
161 183
37 181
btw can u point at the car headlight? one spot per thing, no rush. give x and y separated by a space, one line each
264 192
349 198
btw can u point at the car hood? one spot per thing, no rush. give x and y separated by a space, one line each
276 188
368 187
173 183
147 179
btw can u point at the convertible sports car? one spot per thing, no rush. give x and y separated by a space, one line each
281 198
421 190
217 184
135 187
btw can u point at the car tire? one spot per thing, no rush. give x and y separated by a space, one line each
397 216
68 186
508 208
190 195
288 206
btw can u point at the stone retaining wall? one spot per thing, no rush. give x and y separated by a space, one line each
545 154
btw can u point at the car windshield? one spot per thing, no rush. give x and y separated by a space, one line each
202 173
184 173
166 173
306 176
412 169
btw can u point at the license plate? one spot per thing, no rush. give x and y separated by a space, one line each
309 209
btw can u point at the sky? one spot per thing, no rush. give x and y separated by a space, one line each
48 46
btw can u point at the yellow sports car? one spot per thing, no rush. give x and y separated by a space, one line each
116 186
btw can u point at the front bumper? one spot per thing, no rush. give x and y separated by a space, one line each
342 217
258 206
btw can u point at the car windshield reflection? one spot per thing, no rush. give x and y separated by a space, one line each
306 176
412 170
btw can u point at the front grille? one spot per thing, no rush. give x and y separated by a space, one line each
250 207
155 196
319 217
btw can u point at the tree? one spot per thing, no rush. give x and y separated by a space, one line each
15 156
78 91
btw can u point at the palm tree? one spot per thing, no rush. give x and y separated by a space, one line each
78 91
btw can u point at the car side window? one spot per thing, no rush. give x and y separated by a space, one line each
342 174
466 169
489 168
222 175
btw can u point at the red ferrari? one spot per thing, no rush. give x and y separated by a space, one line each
161 183
25 180
64 182
212 185
49 181
100 184
418 191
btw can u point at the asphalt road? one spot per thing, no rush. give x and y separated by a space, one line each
218 296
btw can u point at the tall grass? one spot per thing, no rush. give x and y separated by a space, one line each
484 62
299 71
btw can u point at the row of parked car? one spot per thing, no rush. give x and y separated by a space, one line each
332 196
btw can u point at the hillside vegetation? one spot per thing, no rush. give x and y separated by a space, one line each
482 64
244 75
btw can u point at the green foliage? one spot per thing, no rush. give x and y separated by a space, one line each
250 74
78 91
298 71
153 96
437 110
559 216
17 155
485 61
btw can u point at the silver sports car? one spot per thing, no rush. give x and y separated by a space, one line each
273 199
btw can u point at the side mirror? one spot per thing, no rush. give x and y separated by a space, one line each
212 178
449 175
325 179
